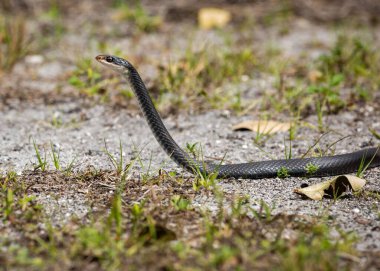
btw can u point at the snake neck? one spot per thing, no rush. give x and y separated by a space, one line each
155 123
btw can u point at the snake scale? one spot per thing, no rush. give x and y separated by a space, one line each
325 166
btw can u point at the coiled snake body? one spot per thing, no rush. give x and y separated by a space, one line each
323 166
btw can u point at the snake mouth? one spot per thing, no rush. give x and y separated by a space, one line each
105 59
111 62
100 58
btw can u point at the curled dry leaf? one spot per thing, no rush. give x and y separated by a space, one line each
333 188
262 126
213 17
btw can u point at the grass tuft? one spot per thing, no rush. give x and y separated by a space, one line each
13 41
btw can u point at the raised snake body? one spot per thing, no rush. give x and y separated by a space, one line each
325 166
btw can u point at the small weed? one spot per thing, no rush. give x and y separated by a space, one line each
117 163
127 93
261 136
123 170
55 156
137 215
147 172
319 109
116 215
137 210
86 78
367 194
330 148
25 202
288 150
265 211
316 150
311 168
191 149
312 147
327 94
363 165
42 162
10 176
374 133
8 202
283 172
13 41
237 206
56 120
202 179
293 130
180 203
69 168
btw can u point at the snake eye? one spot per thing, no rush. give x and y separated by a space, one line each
109 59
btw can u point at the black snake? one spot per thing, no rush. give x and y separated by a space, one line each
322 166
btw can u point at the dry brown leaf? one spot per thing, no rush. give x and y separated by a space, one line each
263 126
333 188
213 17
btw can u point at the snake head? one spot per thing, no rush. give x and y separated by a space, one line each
116 63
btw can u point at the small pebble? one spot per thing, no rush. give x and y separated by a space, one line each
244 78
34 59
226 113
